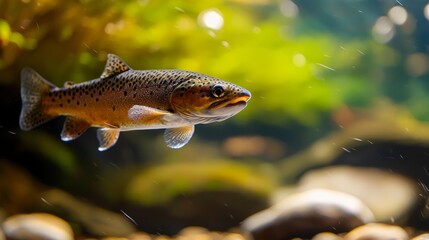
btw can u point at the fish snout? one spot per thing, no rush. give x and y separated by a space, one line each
246 94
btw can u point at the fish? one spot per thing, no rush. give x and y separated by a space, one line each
123 99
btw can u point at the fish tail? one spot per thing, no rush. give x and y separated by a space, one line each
33 87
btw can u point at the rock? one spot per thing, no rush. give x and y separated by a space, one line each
97 221
233 236
386 136
424 236
326 236
190 231
2 237
377 231
37 226
162 238
306 214
139 236
375 187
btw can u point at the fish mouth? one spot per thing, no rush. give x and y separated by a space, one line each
228 103
236 101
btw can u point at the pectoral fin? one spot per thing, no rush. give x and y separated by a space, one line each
73 128
107 137
148 115
178 137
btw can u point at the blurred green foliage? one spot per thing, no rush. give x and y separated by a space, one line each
155 185
293 74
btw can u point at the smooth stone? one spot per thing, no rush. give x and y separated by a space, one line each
41 226
306 214
139 236
377 231
424 236
326 236
233 236
193 230
375 187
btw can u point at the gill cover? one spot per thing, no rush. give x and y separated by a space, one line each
208 99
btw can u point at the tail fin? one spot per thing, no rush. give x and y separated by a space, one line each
33 86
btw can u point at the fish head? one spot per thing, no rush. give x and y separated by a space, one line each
205 99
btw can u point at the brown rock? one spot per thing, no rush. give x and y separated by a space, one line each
41 226
326 236
377 231
424 236
374 187
306 214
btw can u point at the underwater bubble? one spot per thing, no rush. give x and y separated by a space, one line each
289 9
211 18
426 11
383 30
398 15
299 60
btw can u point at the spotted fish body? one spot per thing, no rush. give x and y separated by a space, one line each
123 99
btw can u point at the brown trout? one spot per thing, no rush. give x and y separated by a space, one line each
123 99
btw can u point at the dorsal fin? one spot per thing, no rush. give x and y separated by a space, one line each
114 66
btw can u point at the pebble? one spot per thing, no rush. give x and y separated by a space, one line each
306 214
41 226
326 236
377 231
139 236
424 236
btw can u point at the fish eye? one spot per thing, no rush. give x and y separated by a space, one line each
218 91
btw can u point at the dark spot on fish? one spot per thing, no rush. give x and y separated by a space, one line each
96 99
170 110
53 99
151 93
68 100
84 104
114 108
134 95
125 93
78 103
61 105
50 94
181 94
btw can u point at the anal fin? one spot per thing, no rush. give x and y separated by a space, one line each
73 128
107 137
178 137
